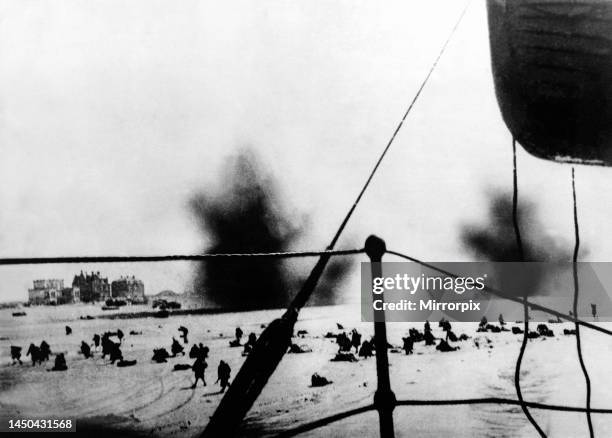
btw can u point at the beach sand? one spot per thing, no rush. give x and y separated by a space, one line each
151 399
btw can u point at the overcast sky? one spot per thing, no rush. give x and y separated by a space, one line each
113 113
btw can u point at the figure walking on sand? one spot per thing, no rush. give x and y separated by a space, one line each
198 367
184 332
45 351
223 375
408 344
16 354
85 350
355 340
239 334
594 311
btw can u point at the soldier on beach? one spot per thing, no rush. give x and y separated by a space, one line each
120 335
355 339
45 350
198 367
239 334
85 350
16 354
408 344
223 375
184 332
96 340
60 363
176 348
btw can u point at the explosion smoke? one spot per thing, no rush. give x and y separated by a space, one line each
247 216
496 241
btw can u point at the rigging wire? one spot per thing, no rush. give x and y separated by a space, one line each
310 283
575 309
399 126
501 294
519 244
170 258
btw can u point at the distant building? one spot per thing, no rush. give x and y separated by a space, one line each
128 288
46 292
91 287
69 295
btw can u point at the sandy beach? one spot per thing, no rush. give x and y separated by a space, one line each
151 399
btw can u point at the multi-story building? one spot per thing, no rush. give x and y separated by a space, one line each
69 295
46 291
129 288
91 287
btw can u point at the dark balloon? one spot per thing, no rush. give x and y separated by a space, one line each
552 68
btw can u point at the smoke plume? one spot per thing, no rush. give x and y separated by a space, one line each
495 241
247 215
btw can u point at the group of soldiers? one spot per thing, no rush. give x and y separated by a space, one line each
39 354
200 354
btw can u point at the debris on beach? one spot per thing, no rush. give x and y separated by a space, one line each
181 367
344 356
444 346
295 348
543 330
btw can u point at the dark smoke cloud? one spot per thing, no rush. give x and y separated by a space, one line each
247 215
495 241
328 290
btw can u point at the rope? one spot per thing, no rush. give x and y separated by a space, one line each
302 296
517 230
575 309
397 129
171 258
505 296
500 401
519 244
